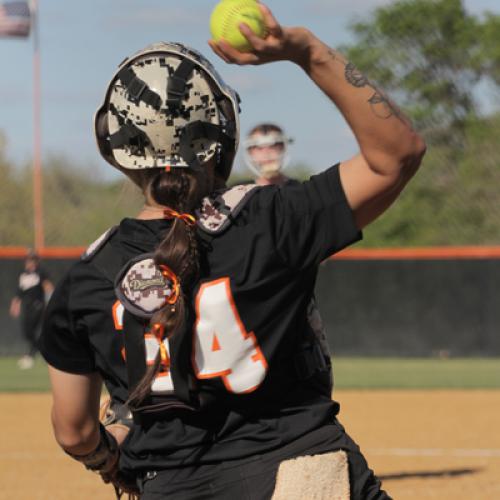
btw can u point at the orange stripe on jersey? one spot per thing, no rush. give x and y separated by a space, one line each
117 316
215 343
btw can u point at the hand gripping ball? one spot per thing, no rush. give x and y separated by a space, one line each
229 14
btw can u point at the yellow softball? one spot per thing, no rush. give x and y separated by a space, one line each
229 14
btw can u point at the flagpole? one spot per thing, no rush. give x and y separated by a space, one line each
37 140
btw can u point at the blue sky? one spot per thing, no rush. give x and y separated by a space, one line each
82 43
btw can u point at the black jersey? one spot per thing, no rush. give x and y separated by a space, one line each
252 310
30 286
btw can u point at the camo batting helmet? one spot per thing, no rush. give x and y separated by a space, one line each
166 106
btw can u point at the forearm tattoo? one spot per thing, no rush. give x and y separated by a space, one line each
381 105
337 56
355 77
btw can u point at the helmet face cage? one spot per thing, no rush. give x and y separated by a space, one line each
270 165
166 106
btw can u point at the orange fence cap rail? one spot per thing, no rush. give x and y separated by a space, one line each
420 253
416 253
45 253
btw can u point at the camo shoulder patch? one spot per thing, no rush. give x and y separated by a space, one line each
217 213
93 248
141 287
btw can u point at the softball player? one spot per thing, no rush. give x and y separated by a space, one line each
28 304
266 153
197 313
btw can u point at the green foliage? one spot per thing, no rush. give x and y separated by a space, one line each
430 54
435 58
489 55
299 171
453 199
78 204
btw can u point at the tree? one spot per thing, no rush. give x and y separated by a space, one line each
449 203
490 47
430 55
433 57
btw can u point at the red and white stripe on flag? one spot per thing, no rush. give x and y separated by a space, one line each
15 19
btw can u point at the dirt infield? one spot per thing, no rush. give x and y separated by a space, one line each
424 444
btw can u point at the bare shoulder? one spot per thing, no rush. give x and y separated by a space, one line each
368 192
361 183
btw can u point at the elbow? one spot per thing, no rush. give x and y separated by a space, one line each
400 161
415 154
77 439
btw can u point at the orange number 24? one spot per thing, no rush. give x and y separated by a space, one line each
222 347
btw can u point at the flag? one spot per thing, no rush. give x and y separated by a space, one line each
15 19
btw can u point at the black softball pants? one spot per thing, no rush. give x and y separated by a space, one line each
254 478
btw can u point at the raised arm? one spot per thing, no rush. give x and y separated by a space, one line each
390 150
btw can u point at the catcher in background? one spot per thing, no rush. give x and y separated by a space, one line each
197 314
266 153
29 303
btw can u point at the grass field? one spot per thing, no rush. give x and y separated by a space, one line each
350 373
391 373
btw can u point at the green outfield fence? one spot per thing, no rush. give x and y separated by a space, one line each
425 302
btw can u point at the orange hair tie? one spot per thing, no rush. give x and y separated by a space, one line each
159 333
169 213
172 277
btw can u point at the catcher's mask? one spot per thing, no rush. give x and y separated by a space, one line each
267 164
167 107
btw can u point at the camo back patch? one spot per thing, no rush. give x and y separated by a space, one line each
216 214
141 287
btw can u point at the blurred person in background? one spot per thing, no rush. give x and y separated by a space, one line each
266 154
28 304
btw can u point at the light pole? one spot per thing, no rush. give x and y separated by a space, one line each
37 140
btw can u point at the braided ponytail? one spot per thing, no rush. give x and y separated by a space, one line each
181 191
